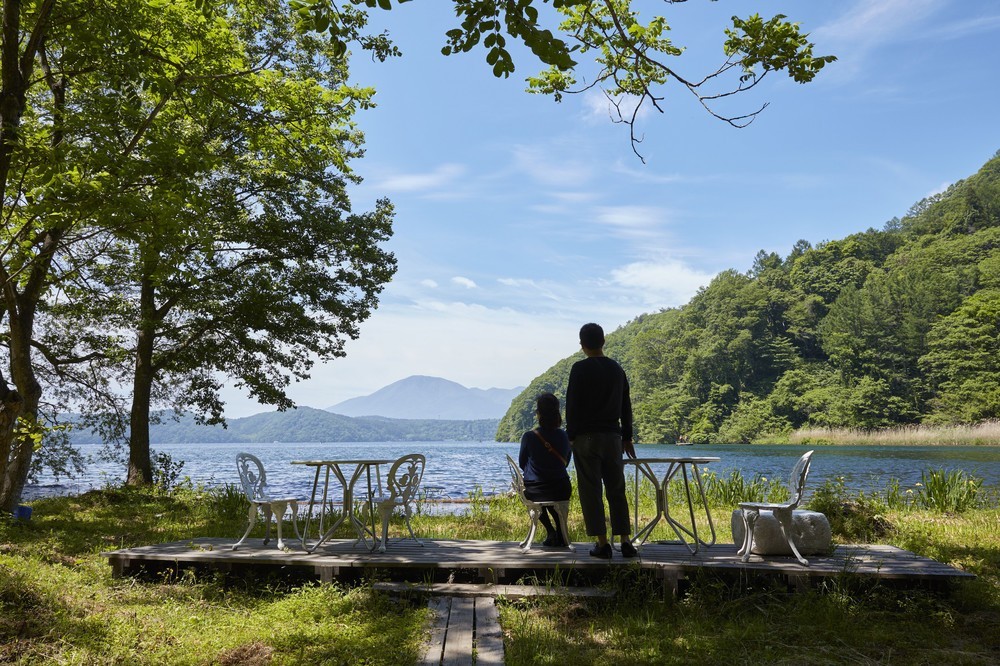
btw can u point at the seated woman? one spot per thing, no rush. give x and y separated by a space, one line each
544 456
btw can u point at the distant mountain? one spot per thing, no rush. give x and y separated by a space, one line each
421 397
306 424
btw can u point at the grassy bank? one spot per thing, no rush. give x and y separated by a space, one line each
59 604
986 433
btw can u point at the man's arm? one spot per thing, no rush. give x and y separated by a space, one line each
627 444
571 400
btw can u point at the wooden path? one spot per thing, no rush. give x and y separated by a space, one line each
441 561
464 630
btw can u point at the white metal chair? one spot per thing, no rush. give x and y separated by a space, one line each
783 512
535 507
403 486
253 480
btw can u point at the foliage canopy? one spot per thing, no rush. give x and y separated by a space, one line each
883 328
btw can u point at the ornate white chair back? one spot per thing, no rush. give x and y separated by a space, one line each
253 478
797 480
405 476
516 478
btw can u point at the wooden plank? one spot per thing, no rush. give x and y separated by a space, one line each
502 559
434 646
491 590
489 638
458 640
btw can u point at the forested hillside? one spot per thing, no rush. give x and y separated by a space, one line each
305 424
882 328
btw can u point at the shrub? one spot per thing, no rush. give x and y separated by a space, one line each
945 491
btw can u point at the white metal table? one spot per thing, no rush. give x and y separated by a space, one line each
688 467
361 468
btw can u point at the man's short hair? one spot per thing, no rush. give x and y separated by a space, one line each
592 336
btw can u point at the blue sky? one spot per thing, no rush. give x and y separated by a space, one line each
519 219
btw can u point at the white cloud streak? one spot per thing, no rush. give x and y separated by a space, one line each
667 282
463 282
438 178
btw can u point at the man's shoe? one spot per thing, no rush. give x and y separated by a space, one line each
603 552
552 541
628 550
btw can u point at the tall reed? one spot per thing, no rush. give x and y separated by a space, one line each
985 433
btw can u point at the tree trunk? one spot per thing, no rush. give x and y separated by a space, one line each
21 404
10 410
18 432
140 471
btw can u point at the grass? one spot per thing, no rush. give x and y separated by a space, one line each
59 604
986 433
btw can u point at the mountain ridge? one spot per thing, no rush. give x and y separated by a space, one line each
426 397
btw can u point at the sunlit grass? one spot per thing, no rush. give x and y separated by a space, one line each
59 603
985 433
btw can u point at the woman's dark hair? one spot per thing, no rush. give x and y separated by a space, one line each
547 406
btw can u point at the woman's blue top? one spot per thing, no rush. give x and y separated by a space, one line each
537 462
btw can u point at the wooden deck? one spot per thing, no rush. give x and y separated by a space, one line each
499 563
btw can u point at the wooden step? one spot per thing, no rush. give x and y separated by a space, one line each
464 631
490 590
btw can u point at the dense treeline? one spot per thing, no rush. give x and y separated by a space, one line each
882 328
305 424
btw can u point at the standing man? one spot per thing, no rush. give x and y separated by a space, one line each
599 426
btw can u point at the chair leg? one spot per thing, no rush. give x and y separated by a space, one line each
278 510
785 522
407 513
533 515
251 521
562 511
266 508
749 521
295 520
386 513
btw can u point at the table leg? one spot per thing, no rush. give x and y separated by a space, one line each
704 504
312 502
639 536
360 527
344 514
679 528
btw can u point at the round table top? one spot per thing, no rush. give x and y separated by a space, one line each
674 459
345 461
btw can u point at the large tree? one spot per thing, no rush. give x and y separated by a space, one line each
180 214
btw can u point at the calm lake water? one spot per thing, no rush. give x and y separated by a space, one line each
457 468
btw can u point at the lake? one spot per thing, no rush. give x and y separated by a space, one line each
457 468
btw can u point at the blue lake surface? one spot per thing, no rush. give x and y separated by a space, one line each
458 468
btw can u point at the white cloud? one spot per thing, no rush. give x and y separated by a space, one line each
875 22
960 29
632 221
598 107
869 25
438 178
531 288
939 189
667 282
551 165
463 282
430 284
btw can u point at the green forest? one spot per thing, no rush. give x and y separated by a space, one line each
304 424
887 327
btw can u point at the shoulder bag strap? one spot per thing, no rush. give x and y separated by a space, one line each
550 448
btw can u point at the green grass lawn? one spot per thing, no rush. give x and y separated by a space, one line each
60 605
